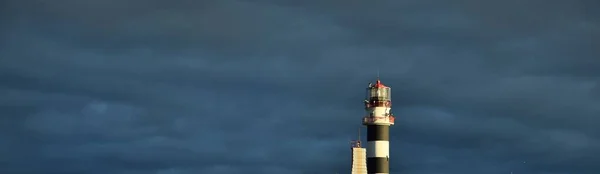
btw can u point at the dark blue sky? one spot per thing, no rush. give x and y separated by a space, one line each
276 86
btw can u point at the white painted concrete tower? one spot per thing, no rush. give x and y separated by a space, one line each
359 158
378 121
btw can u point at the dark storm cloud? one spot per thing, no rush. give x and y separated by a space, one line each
276 86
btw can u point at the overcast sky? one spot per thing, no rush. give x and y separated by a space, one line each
276 86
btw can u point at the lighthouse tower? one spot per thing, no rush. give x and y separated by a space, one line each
378 121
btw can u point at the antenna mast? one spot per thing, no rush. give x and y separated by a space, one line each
358 134
356 143
358 140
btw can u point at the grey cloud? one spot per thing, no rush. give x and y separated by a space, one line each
276 86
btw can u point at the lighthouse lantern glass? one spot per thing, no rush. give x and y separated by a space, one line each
380 94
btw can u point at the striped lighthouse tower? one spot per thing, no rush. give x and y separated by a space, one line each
378 121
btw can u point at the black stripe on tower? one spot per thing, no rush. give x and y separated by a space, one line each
378 165
378 133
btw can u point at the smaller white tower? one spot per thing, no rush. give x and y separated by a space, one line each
359 157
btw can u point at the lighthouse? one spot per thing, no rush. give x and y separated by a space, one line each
378 120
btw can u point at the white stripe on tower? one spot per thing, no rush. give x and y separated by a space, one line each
378 149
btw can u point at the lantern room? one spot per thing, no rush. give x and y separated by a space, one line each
379 92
